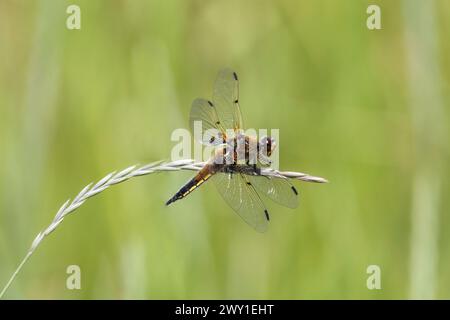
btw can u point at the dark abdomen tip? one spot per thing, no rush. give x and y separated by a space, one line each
173 199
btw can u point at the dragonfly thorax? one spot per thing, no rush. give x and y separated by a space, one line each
244 150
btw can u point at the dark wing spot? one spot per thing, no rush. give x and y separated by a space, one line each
210 103
212 139
235 76
218 122
295 190
248 183
267 215
236 101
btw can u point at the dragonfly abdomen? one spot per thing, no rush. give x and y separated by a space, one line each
191 185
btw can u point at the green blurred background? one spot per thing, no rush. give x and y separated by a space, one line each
366 109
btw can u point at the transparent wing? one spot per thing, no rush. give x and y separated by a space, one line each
204 114
240 195
226 99
278 189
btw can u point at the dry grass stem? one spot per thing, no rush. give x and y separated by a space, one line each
134 171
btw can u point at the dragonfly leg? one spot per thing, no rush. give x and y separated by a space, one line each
256 170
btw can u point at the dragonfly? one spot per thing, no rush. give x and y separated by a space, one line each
235 165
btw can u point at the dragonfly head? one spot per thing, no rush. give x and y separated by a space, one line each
268 144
